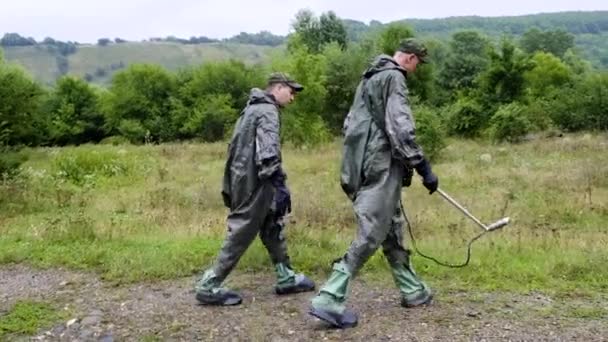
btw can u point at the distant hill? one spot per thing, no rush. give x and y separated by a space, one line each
97 63
594 22
590 29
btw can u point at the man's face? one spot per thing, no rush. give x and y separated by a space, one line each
410 62
284 94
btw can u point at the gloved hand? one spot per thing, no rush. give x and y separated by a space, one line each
282 196
407 177
429 179
227 200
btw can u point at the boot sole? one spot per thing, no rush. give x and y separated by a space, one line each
421 302
332 319
292 290
207 300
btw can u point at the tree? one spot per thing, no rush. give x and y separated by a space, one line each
49 41
261 38
332 29
556 42
509 123
210 96
466 59
74 113
316 32
392 35
583 105
503 81
139 103
547 72
342 76
103 41
20 119
210 118
14 39
232 78
576 63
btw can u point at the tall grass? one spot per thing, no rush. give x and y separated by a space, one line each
136 213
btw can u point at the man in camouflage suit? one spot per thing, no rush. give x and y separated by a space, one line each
255 191
380 150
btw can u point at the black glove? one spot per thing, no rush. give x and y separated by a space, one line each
407 177
429 179
227 200
282 196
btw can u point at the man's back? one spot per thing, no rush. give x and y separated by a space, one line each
252 140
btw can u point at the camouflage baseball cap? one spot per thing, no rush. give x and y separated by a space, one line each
281 77
413 45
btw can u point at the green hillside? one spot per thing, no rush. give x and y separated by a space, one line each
590 29
99 62
41 63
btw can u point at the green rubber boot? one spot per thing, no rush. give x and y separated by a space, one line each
209 291
290 282
328 305
414 292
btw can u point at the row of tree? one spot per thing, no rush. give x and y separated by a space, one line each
12 39
473 87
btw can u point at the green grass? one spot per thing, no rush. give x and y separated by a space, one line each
27 317
134 213
588 313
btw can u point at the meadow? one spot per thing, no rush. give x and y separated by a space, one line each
149 212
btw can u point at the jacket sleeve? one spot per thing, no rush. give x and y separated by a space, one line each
268 145
399 121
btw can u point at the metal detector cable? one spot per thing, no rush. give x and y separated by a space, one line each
409 228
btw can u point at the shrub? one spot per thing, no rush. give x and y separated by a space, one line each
85 166
10 160
509 123
465 117
430 133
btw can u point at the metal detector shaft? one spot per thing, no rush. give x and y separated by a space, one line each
461 208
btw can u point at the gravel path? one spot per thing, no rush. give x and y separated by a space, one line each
167 311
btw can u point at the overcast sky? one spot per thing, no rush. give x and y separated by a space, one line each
86 21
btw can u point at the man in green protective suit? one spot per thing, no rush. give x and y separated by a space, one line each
256 193
379 154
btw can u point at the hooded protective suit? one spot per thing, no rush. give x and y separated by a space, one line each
379 152
253 180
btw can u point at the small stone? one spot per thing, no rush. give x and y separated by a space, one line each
71 322
91 320
58 330
107 338
96 313
473 314
86 334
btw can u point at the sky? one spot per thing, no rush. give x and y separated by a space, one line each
86 21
